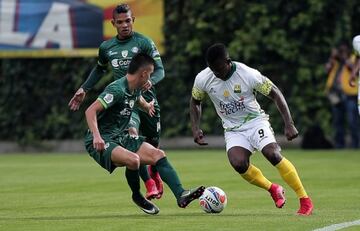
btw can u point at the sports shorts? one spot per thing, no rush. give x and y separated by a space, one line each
254 136
103 158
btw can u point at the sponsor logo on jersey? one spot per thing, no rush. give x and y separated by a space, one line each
135 50
125 112
228 108
124 53
237 88
108 98
112 53
106 145
116 63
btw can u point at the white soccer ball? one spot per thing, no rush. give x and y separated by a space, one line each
213 200
356 43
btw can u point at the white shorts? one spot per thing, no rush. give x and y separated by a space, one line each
256 136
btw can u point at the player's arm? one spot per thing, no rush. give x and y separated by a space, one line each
96 73
159 73
91 119
148 107
195 115
276 95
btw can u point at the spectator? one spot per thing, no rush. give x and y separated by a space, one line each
341 95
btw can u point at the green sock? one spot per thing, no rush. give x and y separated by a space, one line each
143 172
169 176
133 180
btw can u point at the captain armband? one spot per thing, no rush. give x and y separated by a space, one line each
197 94
264 88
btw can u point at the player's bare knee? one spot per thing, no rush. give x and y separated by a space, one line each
158 154
272 153
134 162
241 166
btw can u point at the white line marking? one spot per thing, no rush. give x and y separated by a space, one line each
339 226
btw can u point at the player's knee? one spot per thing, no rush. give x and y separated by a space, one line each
272 153
134 162
240 166
158 154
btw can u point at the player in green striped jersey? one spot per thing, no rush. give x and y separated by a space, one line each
111 146
119 51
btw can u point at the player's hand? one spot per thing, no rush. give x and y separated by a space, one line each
151 108
352 82
146 86
199 137
98 143
77 99
291 132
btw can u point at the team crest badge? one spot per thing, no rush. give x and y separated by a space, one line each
124 53
108 98
237 88
135 50
226 93
131 103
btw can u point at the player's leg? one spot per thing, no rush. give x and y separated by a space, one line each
353 120
116 156
125 155
239 151
154 156
266 142
338 112
150 184
150 127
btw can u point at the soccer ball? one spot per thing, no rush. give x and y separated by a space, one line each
356 43
213 200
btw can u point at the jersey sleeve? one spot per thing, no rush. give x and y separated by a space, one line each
112 94
198 90
149 48
259 82
102 57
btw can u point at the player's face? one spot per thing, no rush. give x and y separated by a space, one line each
221 68
145 74
123 23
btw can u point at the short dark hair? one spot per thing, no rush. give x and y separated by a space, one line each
138 61
122 8
216 52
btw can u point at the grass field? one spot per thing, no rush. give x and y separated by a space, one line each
71 192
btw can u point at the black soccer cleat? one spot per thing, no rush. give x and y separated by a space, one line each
145 205
189 195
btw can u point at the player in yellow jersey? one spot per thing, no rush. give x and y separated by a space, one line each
230 86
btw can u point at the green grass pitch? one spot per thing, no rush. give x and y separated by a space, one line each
71 192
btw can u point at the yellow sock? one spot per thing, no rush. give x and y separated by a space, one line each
254 176
291 177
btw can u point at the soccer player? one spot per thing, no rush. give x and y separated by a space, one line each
111 146
356 70
119 51
231 86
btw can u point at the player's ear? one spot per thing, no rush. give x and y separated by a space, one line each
113 22
133 19
228 60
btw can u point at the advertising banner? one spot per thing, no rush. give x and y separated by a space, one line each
69 28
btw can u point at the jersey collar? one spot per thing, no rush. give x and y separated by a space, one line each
232 70
125 40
